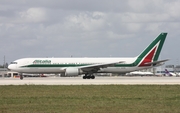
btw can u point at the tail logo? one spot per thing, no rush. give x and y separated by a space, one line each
148 58
152 52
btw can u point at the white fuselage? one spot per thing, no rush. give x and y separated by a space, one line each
58 65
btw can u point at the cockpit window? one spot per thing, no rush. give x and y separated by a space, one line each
13 62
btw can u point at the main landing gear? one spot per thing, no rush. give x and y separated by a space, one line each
88 76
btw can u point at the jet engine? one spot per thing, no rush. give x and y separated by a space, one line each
72 71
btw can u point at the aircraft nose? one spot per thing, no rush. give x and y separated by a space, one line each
11 67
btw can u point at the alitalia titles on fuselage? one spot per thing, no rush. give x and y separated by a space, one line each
42 62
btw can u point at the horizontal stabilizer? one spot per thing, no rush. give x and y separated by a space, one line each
156 62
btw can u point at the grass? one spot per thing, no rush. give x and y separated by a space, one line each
90 99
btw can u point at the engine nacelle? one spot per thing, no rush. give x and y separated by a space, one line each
72 71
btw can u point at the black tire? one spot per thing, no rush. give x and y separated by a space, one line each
21 77
93 77
84 77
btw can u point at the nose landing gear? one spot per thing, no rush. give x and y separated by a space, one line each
21 76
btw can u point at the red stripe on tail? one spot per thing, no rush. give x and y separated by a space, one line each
148 58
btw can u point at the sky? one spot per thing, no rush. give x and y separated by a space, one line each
87 28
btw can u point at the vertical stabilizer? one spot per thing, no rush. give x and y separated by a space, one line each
152 52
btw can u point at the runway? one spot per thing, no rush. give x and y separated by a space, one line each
96 81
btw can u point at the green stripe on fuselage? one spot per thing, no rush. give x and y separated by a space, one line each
71 65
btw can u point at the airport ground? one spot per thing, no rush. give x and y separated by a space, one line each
118 94
116 80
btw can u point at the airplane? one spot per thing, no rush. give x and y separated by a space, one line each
167 73
88 66
140 73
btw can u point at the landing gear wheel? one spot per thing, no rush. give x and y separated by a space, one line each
21 77
84 77
92 77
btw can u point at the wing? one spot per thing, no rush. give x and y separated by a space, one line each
95 67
